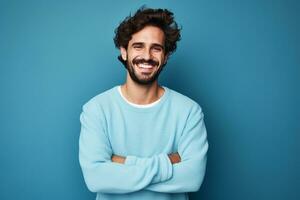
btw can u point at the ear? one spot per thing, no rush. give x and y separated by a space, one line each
123 53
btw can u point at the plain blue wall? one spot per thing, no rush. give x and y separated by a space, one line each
239 60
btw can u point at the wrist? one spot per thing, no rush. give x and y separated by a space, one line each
118 159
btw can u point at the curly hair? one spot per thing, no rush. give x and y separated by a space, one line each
161 18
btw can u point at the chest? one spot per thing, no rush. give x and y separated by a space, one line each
143 134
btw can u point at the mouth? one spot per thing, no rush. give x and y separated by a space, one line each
145 67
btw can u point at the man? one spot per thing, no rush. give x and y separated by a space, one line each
141 140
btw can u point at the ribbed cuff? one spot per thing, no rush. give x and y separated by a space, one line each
161 161
130 160
166 168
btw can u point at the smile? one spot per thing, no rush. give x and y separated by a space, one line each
145 66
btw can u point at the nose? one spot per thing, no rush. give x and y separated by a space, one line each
147 54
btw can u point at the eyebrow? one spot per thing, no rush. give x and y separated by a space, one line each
141 44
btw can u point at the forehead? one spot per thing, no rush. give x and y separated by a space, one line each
148 35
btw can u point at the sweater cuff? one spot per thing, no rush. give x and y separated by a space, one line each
161 162
130 160
166 168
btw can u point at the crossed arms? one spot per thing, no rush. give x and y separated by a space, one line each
174 158
105 172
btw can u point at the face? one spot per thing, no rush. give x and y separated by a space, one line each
145 55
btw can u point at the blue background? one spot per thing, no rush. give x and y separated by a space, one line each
239 60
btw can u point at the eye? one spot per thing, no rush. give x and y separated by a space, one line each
137 47
157 49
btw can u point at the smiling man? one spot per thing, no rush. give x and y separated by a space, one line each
141 140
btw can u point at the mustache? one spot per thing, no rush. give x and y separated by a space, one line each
144 61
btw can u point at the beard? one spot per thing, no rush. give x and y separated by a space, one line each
143 79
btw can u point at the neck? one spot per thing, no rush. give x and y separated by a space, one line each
141 94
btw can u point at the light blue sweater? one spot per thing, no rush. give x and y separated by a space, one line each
145 136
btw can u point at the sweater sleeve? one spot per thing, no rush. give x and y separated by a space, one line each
192 147
103 175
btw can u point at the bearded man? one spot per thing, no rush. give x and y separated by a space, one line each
141 140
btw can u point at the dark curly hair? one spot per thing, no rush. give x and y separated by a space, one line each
161 18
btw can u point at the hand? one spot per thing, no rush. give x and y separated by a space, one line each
118 159
175 158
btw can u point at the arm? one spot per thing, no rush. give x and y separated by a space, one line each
189 173
103 175
174 158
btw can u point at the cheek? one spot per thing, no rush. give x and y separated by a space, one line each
133 56
162 59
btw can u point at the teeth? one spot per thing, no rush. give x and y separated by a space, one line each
146 66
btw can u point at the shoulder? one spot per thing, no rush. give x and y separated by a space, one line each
182 101
100 100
